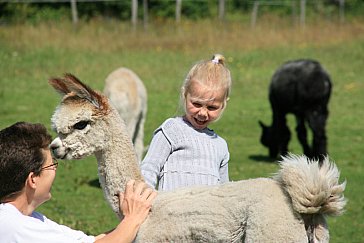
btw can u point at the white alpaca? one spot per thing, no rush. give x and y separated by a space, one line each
278 209
128 95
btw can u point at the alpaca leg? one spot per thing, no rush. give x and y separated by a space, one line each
317 122
316 228
281 132
302 135
139 137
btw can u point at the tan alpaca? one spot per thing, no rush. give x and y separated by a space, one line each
277 209
128 95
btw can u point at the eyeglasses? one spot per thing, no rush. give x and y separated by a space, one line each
54 165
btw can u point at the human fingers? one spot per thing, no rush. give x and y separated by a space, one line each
129 189
148 194
139 188
121 199
152 196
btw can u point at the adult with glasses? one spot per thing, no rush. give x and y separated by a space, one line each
27 172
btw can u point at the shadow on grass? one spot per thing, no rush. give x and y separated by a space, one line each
262 158
95 183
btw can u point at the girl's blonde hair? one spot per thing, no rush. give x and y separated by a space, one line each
210 73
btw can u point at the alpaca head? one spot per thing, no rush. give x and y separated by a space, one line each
275 140
87 124
80 120
266 139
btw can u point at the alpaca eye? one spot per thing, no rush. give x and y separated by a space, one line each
80 125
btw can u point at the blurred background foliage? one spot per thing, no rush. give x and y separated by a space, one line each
34 11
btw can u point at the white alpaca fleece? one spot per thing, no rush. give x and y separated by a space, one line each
255 210
312 197
277 209
128 95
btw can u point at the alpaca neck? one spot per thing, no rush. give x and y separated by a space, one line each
117 162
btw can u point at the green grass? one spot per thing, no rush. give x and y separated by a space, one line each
29 55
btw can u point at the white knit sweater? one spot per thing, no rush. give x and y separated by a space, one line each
181 156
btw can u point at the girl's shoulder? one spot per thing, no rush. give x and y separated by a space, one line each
173 122
175 127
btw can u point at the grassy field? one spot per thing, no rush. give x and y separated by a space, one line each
161 56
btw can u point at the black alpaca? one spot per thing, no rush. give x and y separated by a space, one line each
301 87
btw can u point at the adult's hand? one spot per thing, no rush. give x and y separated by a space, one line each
137 200
135 203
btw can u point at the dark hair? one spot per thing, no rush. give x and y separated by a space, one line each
21 152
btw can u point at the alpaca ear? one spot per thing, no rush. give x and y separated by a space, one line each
262 124
59 85
70 84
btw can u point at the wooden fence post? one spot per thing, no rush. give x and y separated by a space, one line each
178 10
221 10
254 14
74 11
145 14
294 12
303 13
342 11
134 13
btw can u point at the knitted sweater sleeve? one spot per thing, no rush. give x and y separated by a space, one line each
153 162
224 169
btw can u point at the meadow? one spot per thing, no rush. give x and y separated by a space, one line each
162 56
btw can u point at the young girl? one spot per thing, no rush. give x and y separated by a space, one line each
184 151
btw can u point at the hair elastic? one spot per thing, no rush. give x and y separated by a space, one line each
215 60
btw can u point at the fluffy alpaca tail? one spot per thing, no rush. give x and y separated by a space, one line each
315 192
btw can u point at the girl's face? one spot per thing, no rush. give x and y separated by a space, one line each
203 105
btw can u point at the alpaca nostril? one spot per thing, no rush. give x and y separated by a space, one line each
54 150
57 149
53 147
